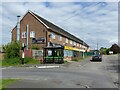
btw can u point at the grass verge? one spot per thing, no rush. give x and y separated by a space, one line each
17 61
5 82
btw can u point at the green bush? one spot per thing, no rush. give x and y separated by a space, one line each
11 61
12 50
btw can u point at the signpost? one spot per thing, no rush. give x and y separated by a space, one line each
23 53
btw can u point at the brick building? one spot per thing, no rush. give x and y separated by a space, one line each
40 29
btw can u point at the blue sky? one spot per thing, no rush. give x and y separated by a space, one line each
90 21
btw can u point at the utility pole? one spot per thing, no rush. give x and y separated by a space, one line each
83 50
97 44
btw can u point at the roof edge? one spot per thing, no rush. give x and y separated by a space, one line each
34 16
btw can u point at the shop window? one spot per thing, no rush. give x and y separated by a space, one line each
23 34
32 34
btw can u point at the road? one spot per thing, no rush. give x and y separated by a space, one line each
74 75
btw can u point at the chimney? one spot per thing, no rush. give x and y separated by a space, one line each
18 28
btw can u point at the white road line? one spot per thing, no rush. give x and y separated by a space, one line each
47 66
3 68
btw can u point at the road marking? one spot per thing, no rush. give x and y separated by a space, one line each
3 68
6 67
47 67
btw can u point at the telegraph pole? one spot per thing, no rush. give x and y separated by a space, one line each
83 50
97 44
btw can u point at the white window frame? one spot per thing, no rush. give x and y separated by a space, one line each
80 45
75 43
66 40
60 38
70 41
53 35
23 34
32 34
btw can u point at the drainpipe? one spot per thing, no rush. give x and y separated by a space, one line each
27 30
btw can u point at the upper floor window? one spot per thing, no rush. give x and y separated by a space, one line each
75 43
70 41
32 34
80 45
53 36
60 38
66 40
23 34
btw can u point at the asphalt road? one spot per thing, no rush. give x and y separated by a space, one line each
74 75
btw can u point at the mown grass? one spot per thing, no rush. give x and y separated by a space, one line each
5 82
17 61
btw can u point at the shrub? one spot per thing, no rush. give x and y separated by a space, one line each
12 50
11 61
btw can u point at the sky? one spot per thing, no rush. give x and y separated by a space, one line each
90 21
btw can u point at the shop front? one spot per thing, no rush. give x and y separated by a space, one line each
71 52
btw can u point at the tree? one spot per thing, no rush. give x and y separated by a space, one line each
115 48
107 51
103 50
12 50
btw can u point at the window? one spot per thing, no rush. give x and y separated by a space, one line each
80 45
66 40
32 34
75 43
53 36
70 41
60 38
23 34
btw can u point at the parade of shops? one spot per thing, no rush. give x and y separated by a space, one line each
33 30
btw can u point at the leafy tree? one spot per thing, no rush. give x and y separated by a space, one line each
12 50
103 50
107 51
115 48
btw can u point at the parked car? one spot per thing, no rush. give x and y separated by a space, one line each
97 57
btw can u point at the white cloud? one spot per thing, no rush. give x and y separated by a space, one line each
100 21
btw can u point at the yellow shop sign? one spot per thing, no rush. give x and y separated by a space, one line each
71 48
